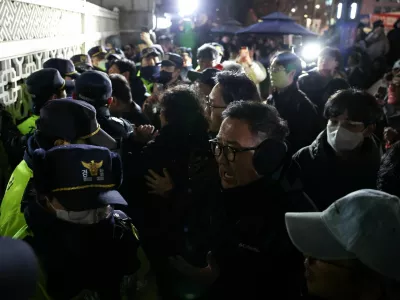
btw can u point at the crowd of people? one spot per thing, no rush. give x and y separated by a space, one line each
158 172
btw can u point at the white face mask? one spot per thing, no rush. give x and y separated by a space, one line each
86 217
342 139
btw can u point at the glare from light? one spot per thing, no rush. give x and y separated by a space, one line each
317 6
161 22
305 6
353 10
293 10
339 10
306 16
187 8
311 51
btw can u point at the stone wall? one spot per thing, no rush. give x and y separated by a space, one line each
32 31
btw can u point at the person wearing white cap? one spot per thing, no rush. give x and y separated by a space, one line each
352 248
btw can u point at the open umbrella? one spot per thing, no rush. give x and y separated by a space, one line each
228 27
277 23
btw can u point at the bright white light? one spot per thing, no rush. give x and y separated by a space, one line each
311 51
161 22
293 10
317 6
353 10
186 7
306 16
339 10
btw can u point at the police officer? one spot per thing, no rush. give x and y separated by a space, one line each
150 67
82 62
67 71
87 250
40 87
61 122
43 85
98 56
96 88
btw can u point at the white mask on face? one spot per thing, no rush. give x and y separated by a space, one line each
342 139
86 217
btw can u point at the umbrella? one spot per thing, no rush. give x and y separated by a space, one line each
277 23
229 27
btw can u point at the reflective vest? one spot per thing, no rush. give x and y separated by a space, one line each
147 84
28 126
11 217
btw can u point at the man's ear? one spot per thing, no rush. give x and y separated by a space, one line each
109 101
369 130
292 74
127 75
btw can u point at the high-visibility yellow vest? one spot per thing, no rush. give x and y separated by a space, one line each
147 84
11 217
28 126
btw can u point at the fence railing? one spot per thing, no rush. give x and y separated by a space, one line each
32 31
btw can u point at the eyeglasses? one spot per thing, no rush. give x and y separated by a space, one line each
276 69
210 105
229 152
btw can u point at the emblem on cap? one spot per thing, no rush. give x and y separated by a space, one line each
95 170
83 58
93 167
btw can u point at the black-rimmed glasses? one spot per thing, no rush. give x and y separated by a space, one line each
229 152
210 105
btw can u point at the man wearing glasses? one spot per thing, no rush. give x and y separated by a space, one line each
250 252
230 87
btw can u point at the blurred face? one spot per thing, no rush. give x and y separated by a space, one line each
234 160
327 64
204 89
279 77
99 62
114 70
331 279
215 107
128 51
205 64
150 61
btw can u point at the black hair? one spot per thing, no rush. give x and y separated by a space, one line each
183 108
120 88
291 61
114 40
207 52
237 86
389 173
263 119
332 52
360 106
333 87
126 65
232 66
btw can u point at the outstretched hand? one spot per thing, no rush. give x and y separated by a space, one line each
145 133
159 185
